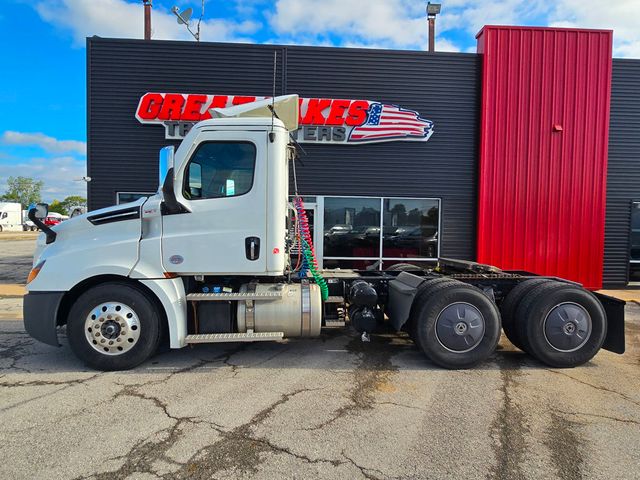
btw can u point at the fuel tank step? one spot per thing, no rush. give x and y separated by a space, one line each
212 297
234 337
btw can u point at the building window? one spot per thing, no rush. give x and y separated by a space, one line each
375 233
634 254
220 169
128 197
351 227
410 228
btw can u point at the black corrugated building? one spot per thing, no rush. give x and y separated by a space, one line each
444 88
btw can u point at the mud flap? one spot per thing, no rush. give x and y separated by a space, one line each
614 308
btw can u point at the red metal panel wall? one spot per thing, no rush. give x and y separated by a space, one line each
543 150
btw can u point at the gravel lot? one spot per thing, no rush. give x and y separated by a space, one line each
326 408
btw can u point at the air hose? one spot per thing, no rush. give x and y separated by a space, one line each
309 262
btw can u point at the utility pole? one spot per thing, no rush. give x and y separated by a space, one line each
147 18
433 9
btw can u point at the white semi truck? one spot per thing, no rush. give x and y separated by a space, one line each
10 217
206 260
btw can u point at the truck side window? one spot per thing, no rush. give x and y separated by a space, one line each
220 169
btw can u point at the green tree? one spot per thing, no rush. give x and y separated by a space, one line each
73 201
56 206
24 190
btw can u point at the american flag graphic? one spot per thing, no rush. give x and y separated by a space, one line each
387 122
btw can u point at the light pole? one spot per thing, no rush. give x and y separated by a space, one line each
147 18
433 9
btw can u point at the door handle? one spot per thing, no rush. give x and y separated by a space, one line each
252 248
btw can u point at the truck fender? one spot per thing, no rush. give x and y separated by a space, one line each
402 291
170 292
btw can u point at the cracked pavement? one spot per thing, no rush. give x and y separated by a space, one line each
326 408
320 408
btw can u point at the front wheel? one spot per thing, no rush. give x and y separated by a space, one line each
114 326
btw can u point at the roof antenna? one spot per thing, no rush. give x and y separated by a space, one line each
272 135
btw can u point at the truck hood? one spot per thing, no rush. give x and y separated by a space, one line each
93 230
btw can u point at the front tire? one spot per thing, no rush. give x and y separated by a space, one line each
114 326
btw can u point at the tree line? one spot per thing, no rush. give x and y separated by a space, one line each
26 191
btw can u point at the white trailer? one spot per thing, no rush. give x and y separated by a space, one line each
10 217
206 260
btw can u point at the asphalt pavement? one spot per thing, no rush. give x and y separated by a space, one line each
332 407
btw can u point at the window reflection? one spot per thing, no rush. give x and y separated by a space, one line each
410 228
351 227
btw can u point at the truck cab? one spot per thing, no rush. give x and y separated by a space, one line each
207 260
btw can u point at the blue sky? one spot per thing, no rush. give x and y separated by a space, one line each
42 78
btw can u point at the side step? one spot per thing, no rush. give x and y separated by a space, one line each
212 297
234 337
335 299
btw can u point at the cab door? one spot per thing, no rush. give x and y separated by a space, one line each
223 184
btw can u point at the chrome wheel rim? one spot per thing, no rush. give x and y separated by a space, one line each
460 327
112 328
567 327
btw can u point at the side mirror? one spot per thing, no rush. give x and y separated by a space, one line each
42 210
36 214
170 204
165 163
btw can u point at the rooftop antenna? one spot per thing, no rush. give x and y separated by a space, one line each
184 18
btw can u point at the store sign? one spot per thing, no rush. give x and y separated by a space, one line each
322 120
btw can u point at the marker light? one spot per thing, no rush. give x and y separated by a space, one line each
35 271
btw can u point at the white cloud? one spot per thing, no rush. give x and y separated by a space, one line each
120 18
402 23
45 142
390 23
57 173
620 15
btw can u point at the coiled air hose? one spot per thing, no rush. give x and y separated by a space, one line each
309 262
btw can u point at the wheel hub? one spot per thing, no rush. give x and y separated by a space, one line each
112 328
567 327
460 327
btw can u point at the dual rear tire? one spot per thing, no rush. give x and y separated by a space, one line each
455 324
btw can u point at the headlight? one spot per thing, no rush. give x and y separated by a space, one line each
35 271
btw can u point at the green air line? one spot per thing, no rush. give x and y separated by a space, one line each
311 261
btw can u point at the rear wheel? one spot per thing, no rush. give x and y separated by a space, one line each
114 326
34 228
510 305
458 326
564 325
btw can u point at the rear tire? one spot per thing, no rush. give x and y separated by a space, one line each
563 325
510 305
404 267
458 326
425 289
114 326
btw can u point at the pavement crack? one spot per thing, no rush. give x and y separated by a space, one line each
509 426
597 387
373 371
239 449
366 472
595 415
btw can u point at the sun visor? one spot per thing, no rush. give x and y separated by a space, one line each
285 107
